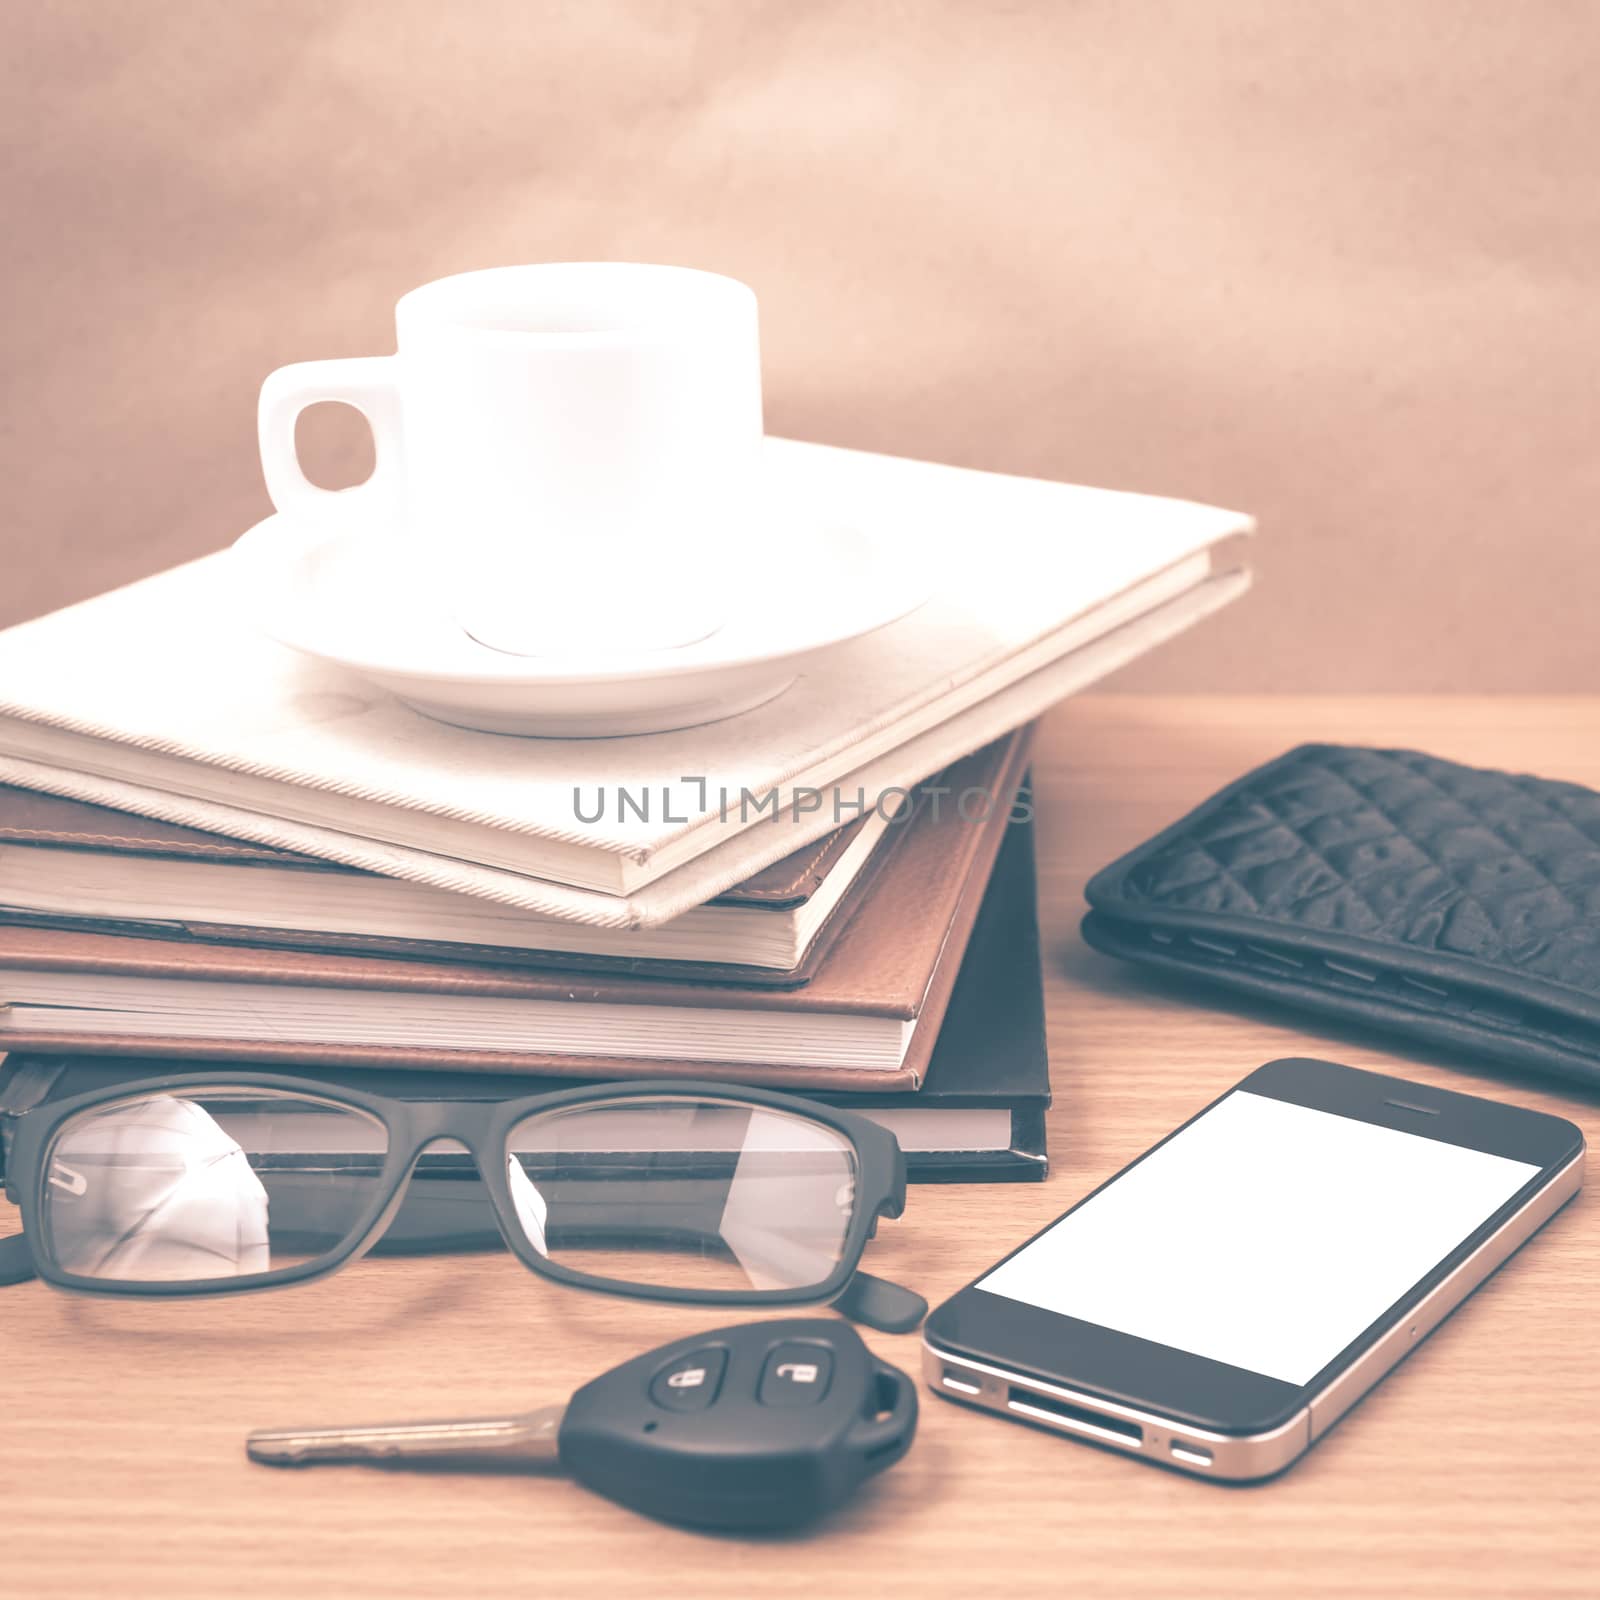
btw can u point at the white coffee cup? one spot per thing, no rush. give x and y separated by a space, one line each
567 452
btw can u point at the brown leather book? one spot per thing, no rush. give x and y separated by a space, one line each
68 864
868 1019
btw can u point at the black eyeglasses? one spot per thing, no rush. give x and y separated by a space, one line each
200 1183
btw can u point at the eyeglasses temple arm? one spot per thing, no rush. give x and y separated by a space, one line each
16 1260
877 1303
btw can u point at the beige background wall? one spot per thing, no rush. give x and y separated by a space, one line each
1335 264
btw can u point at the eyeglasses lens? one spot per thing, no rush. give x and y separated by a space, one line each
223 1183
692 1194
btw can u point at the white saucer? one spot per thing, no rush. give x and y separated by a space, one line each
344 596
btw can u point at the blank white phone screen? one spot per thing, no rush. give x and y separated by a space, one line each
1265 1235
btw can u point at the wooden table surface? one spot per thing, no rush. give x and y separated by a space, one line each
1473 1471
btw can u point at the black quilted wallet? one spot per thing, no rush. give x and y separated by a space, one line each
1453 904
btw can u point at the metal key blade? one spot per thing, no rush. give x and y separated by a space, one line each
527 1440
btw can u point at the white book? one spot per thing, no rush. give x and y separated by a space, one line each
157 698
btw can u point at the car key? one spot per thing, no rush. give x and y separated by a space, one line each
764 1425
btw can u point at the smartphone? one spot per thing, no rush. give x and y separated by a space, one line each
1220 1303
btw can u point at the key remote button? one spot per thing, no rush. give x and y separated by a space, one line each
691 1382
796 1375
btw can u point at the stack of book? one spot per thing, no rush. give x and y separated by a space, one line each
869 964
212 850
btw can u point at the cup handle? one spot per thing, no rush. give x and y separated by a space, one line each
369 383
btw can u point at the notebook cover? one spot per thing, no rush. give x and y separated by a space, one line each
991 1049
270 746
898 957
991 1052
